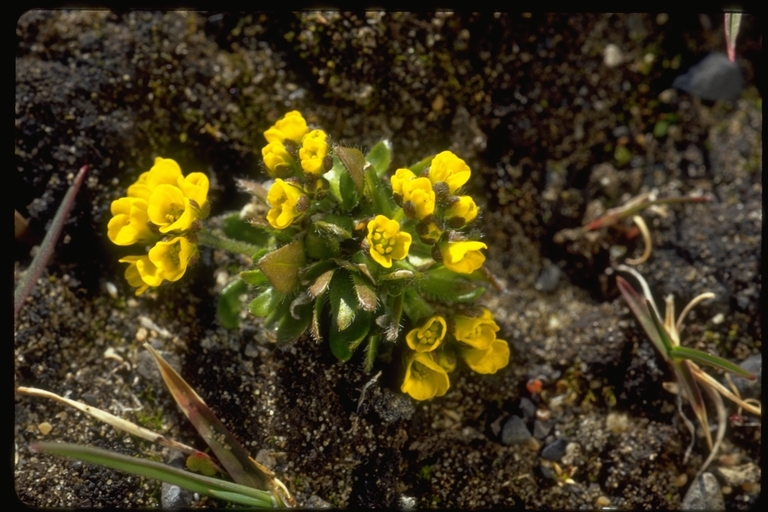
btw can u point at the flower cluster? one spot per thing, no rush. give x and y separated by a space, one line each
162 210
434 348
356 255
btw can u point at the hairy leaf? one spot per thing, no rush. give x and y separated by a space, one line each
282 265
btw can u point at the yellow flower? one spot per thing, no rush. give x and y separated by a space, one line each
169 209
424 378
429 232
291 126
171 258
427 337
464 211
195 188
490 360
164 172
420 194
450 169
277 159
463 257
401 177
288 203
313 151
129 223
386 241
141 273
478 332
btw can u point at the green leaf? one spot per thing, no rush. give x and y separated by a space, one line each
354 162
321 246
317 315
416 307
254 277
448 286
663 335
698 356
637 304
421 164
366 295
349 194
380 157
343 343
379 193
200 463
343 300
200 484
321 284
371 351
282 265
294 322
264 302
228 306
235 227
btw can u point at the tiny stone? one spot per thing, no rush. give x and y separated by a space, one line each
251 351
515 431
612 56
740 475
548 278
555 451
315 501
541 429
527 408
141 335
45 428
704 494
602 501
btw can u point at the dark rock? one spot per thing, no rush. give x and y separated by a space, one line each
548 278
515 431
714 78
555 451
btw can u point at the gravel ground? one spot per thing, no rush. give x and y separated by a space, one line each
558 116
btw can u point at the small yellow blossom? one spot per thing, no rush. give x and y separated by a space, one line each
419 192
463 257
490 360
386 241
130 223
195 188
429 232
464 209
424 378
164 172
446 358
401 177
287 205
477 332
291 126
172 257
169 209
427 337
141 273
450 169
277 159
313 151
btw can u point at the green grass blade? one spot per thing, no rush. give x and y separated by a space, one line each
227 449
665 339
639 307
698 356
150 469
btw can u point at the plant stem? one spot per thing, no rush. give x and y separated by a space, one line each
205 237
28 281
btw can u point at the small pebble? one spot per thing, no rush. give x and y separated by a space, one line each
602 501
141 335
541 429
612 56
527 408
515 431
704 494
548 278
45 428
740 475
555 451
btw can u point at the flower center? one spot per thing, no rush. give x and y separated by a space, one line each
419 370
175 211
429 336
382 241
